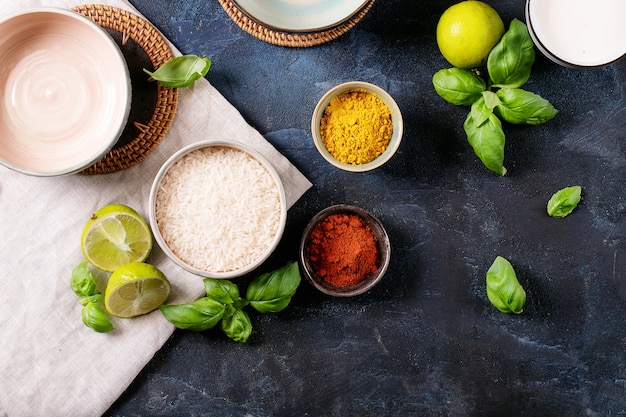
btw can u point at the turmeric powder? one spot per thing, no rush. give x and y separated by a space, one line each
356 127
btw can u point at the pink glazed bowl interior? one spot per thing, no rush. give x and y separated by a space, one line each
65 92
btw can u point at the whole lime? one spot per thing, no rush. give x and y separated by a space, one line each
467 32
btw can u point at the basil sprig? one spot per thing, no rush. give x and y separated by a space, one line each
83 284
272 292
268 293
458 86
93 314
181 71
487 139
508 68
199 315
564 201
503 289
510 61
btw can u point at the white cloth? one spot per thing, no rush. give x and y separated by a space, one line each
50 363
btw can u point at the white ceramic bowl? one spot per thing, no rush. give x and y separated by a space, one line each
65 89
300 16
578 33
202 202
396 118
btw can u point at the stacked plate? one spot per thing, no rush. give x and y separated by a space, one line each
296 23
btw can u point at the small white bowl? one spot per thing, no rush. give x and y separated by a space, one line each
66 92
578 33
206 201
396 118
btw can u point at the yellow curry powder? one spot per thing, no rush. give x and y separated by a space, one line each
356 127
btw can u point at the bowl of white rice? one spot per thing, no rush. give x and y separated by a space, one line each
217 209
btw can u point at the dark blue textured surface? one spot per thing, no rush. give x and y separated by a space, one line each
426 341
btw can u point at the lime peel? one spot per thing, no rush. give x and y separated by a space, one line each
135 289
115 235
467 31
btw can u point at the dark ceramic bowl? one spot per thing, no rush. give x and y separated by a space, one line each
382 242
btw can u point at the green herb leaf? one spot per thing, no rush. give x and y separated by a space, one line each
458 86
181 71
96 298
487 139
503 289
199 315
83 283
564 201
510 61
224 291
95 318
523 107
237 326
491 99
480 111
272 292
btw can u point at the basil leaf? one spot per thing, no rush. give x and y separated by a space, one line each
237 326
96 298
181 71
199 315
564 201
522 107
458 86
83 283
491 99
272 292
487 139
510 61
503 289
224 291
480 112
95 318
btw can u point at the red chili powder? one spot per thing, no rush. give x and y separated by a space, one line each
343 250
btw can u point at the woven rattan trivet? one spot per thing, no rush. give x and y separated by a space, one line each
290 39
154 45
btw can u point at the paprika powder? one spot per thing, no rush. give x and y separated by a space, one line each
343 250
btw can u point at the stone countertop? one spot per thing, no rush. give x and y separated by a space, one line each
425 341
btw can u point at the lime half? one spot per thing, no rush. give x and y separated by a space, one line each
115 235
135 289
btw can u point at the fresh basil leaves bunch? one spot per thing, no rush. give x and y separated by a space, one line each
181 71
500 98
84 286
268 293
503 289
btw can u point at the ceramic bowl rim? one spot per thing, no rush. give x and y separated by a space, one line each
126 92
554 57
298 18
396 117
384 246
152 208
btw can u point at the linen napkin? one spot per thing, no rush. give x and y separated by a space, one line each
50 363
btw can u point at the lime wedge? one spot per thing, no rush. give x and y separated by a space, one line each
115 235
135 289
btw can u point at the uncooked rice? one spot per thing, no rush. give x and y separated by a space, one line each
218 209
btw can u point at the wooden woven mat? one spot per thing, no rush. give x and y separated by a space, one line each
150 40
290 39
